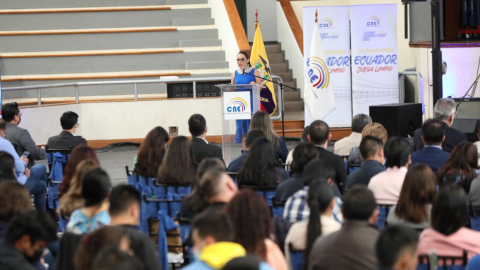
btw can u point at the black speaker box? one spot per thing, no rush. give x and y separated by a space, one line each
468 126
399 119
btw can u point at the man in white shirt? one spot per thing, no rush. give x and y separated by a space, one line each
343 146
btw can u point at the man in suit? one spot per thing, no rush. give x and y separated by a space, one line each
433 137
237 163
371 150
319 134
67 139
201 149
445 111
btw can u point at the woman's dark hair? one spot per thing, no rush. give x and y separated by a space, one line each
304 138
417 192
112 258
205 188
319 198
79 153
246 57
463 159
302 155
208 164
249 262
179 165
449 211
14 200
7 164
259 166
252 221
96 187
397 151
151 152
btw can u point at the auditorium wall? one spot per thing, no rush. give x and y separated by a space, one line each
267 17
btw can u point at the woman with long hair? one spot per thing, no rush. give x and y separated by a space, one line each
7 167
261 121
179 167
79 153
261 168
14 200
252 222
151 153
415 202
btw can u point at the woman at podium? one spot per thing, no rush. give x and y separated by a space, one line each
245 74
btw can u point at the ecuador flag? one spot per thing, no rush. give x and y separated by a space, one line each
259 61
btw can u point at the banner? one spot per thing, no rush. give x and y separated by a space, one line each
374 56
334 32
236 105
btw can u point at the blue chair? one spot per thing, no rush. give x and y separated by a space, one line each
233 175
133 178
57 161
278 208
268 192
444 262
297 258
382 215
351 168
474 263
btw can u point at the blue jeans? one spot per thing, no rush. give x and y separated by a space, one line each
242 129
37 186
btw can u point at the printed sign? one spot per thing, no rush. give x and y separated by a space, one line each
236 105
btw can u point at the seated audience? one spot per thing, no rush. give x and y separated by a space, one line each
125 212
303 139
94 213
474 197
19 137
237 163
34 179
444 111
432 154
353 246
201 148
252 223
14 200
397 248
179 166
371 149
296 207
302 155
151 153
208 164
448 234
477 144
373 129
112 258
73 199
78 154
415 203
66 139
261 121
213 235
386 186
7 167
319 135
461 166
261 168
320 223
343 146
94 242
25 239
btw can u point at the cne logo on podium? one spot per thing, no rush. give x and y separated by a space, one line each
237 105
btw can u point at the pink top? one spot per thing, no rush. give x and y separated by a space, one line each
452 245
275 256
386 186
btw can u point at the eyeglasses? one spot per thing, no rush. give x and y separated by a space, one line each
241 60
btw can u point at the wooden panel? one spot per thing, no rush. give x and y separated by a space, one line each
237 26
104 143
293 22
88 31
89 53
81 76
451 19
455 44
73 10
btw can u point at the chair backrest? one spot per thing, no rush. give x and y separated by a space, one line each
278 208
268 192
57 161
384 209
297 258
444 262
351 168
51 151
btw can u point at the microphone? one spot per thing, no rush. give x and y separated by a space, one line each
243 70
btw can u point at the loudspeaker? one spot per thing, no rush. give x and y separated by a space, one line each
468 126
399 119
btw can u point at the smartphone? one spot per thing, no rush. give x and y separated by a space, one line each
25 154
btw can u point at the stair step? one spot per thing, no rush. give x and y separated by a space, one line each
196 21
272 49
186 2
207 65
285 89
287 76
200 43
289 125
279 68
44 4
291 96
294 106
275 58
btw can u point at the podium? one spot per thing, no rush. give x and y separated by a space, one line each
239 102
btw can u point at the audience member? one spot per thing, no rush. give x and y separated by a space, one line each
66 139
371 149
112 258
319 134
353 246
14 200
320 223
296 207
34 179
78 154
477 144
373 129
208 164
94 213
461 166
237 163
444 111
73 199
252 223
19 137
249 262
151 153
343 146
303 139
25 239
125 211
179 166
302 155
261 121
415 203
386 186
397 248
197 126
7 167
433 137
448 234
261 168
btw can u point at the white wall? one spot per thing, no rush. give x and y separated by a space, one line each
267 17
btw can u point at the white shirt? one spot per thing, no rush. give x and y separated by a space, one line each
386 186
343 146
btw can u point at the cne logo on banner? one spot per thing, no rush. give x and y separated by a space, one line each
236 105
326 23
318 73
374 21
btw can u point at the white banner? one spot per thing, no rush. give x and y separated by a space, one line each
374 56
236 105
334 30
